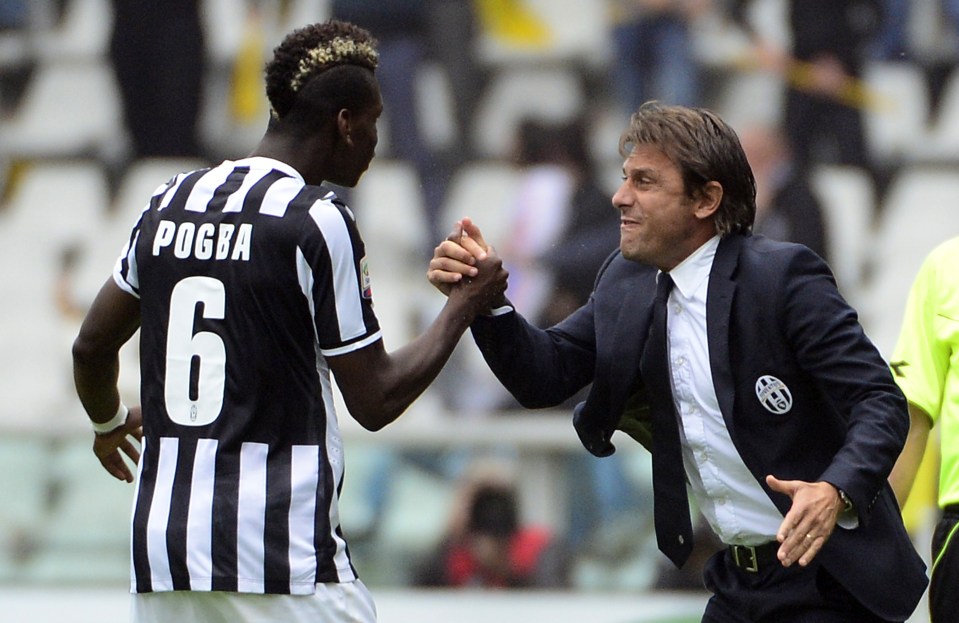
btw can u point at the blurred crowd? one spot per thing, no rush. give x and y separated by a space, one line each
534 90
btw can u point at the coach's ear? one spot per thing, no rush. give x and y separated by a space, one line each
592 436
709 199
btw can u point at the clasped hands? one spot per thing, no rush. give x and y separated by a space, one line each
464 260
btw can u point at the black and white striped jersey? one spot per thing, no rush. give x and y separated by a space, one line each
247 278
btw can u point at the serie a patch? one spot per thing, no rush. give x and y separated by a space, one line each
365 284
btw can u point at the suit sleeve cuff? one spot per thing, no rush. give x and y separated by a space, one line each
500 311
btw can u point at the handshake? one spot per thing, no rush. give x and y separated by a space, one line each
463 265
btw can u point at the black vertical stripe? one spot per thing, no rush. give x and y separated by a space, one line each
226 499
277 530
156 199
339 528
141 516
324 301
316 250
131 249
182 192
232 184
322 538
179 514
254 197
359 252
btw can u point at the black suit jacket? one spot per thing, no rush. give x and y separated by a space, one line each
773 310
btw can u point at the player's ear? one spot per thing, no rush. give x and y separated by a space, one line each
344 126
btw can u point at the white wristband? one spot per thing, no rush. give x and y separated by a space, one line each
114 423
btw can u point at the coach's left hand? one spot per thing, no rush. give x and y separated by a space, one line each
809 522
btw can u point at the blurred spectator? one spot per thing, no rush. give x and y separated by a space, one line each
940 59
560 228
563 228
486 545
453 28
70 309
786 207
822 71
653 51
563 225
15 66
892 40
158 54
410 32
14 14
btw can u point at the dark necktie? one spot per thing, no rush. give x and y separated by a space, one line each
674 533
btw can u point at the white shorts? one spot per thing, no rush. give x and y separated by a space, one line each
349 602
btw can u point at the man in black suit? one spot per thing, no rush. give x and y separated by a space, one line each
751 379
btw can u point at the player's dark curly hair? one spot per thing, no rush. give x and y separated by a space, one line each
320 69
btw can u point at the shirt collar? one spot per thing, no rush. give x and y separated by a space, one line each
689 274
262 162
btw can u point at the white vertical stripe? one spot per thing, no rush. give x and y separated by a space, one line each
175 186
203 190
133 270
199 531
304 478
234 203
305 276
346 288
262 162
160 190
128 281
334 452
136 497
251 518
160 515
279 195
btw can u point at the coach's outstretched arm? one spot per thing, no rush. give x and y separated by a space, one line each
378 386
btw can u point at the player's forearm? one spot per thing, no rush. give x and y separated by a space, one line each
95 377
412 368
111 321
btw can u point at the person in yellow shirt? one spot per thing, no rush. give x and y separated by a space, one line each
925 364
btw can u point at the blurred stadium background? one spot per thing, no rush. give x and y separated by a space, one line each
70 188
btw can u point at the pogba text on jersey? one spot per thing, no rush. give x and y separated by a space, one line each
206 241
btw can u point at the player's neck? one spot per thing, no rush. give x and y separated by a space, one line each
293 151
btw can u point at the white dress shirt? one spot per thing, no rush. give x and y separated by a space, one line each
732 501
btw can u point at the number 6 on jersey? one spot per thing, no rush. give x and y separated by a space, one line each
200 356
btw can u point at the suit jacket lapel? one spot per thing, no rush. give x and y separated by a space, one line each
719 303
632 328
